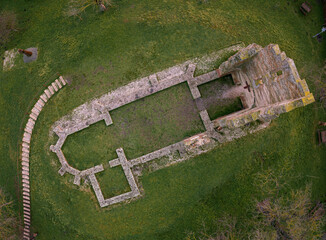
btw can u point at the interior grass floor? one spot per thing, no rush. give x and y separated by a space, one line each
215 104
140 127
98 52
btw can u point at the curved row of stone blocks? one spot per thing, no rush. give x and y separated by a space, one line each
48 93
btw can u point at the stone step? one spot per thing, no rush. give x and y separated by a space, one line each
25 163
27 215
26 197
44 97
26 150
25 145
51 89
25 181
25 185
30 123
54 85
47 93
62 80
27 209
38 107
25 205
58 83
26 140
27 135
25 159
26 193
40 102
26 201
24 168
24 154
26 177
33 116
28 129
25 172
26 190
36 111
26 220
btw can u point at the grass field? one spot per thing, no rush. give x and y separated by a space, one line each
136 38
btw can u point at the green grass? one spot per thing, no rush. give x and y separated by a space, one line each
215 112
113 182
135 39
217 106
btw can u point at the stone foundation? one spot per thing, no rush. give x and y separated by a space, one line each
268 84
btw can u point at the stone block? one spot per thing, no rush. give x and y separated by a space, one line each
27 129
47 93
25 164
25 209
62 171
58 83
38 106
36 111
33 116
26 205
24 154
62 81
40 102
114 162
26 150
55 87
31 121
77 180
25 145
26 140
26 197
27 221
51 89
25 177
44 97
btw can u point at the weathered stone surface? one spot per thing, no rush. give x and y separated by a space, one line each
40 102
38 106
36 111
44 97
58 83
25 164
55 87
47 93
33 116
62 80
51 89
25 145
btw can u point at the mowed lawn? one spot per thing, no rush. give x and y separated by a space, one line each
133 39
